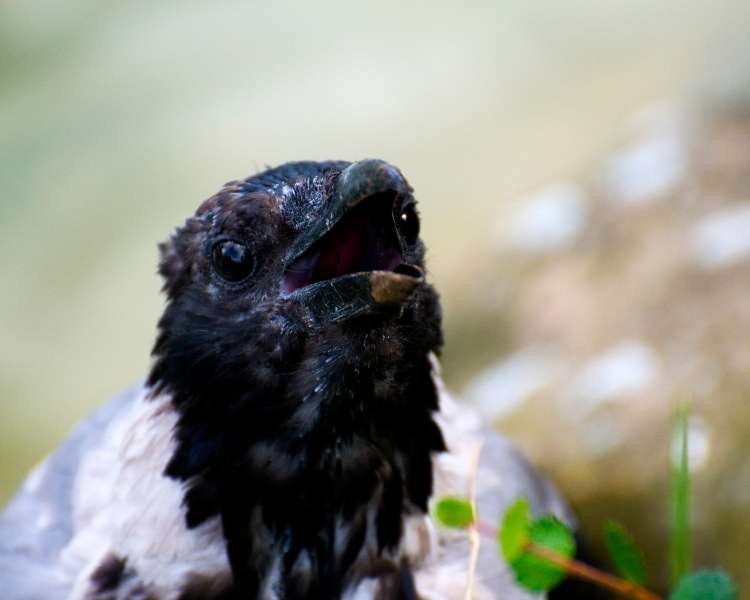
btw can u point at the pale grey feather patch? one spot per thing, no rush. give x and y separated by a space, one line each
38 523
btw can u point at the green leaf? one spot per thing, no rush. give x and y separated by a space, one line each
538 574
627 557
455 513
706 585
514 530
680 552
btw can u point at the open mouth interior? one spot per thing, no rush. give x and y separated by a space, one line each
364 239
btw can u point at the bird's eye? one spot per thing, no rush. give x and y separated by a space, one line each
232 260
407 222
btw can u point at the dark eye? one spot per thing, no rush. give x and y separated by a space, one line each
232 260
407 222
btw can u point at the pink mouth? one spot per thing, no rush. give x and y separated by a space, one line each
363 240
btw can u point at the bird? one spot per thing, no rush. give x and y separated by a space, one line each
293 432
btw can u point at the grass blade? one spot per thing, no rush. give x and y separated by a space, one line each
680 550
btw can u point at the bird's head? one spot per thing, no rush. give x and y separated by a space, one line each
289 253
334 240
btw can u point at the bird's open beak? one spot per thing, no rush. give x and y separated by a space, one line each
351 262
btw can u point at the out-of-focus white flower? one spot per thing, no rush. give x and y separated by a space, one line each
699 445
627 367
499 390
722 237
548 220
645 170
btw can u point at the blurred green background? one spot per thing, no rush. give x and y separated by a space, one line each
583 170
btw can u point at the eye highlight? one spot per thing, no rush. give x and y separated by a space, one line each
407 222
232 260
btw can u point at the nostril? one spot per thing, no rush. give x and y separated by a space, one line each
409 270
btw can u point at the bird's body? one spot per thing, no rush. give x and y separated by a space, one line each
293 428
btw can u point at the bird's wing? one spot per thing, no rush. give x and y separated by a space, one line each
39 520
483 465
103 501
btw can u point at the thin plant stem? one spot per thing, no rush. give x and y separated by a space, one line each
473 533
582 571
577 569
680 552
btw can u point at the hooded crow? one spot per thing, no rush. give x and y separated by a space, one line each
293 428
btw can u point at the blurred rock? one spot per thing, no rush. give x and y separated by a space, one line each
722 237
628 367
549 219
699 445
502 388
645 171
654 161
